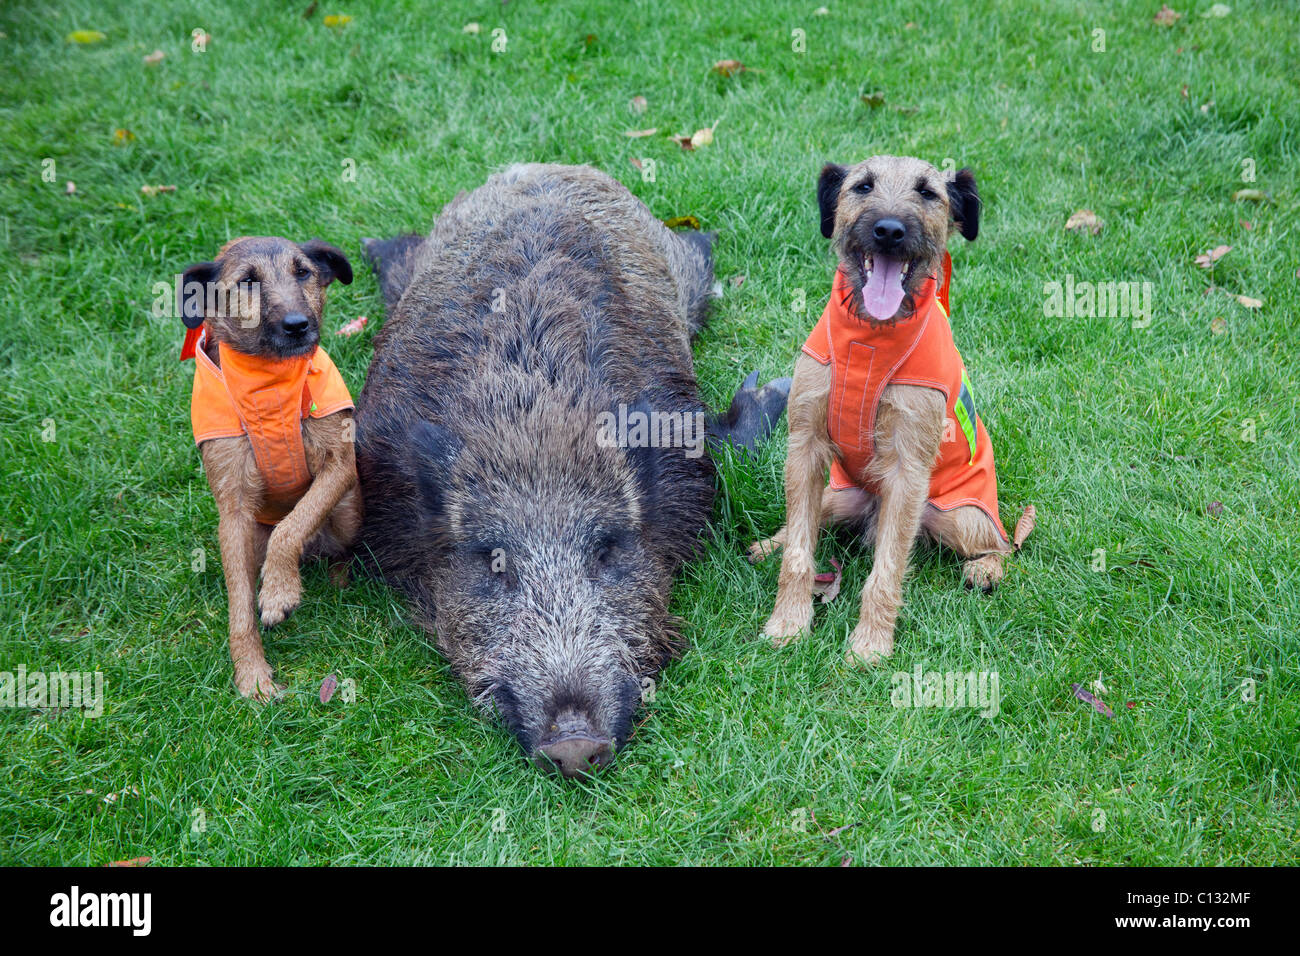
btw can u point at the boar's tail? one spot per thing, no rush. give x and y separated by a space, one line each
753 414
393 262
693 266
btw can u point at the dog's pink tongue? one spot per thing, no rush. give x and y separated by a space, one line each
883 293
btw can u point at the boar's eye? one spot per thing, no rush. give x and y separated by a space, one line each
605 558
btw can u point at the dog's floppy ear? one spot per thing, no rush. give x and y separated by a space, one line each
964 200
331 261
192 298
828 195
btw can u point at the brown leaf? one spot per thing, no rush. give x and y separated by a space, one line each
827 585
354 327
154 58
1184 91
702 137
1025 526
635 162
1252 195
737 281
327 688
134 861
155 190
69 189
1248 226
1207 259
1249 302
1084 219
640 133
1218 325
874 100
1214 509
1167 16
1097 704
678 222
729 67
638 104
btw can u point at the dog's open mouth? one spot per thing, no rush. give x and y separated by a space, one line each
882 287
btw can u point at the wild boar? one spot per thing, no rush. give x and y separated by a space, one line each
531 447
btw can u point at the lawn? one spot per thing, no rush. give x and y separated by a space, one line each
1161 456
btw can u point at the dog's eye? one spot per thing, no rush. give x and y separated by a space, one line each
302 273
927 193
249 276
863 187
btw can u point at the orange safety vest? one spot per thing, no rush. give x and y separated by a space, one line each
266 399
919 350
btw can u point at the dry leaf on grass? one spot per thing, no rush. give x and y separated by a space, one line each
1167 16
1218 325
134 861
1084 219
1214 509
639 133
1088 698
70 188
729 67
154 58
1249 302
1252 195
1219 10
874 100
703 137
471 28
1206 260
1025 526
327 688
636 162
354 327
155 190
827 584
638 104
737 281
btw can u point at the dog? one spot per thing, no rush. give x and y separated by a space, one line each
272 418
881 396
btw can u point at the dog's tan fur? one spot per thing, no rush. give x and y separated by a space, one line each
908 427
326 519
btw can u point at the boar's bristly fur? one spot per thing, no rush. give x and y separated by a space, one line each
539 557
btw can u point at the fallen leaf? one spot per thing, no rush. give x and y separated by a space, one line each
827 584
354 327
729 67
1084 219
1167 16
1218 325
636 162
1184 91
69 189
155 190
134 861
1205 107
737 281
838 830
1252 195
821 12
1248 226
154 58
1214 509
122 136
1087 698
1025 526
1207 260
683 141
471 28
85 37
678 222
1130 705
640 133
337 20
327 688
1219 10
1249 302
874 100
638 104
703 137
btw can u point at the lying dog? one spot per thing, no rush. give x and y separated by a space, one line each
273 421
881 396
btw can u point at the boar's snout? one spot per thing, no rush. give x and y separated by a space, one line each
573 747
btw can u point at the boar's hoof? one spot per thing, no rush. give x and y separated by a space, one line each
753 414
574 749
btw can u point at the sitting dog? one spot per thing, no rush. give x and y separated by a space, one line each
881 396
273 421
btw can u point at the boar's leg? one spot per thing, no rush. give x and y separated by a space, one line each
393 262
753 414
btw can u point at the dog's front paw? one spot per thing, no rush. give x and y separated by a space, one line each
762 549
786 625
279 596
255 682
983 573
869 645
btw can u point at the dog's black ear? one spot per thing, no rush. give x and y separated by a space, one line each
192 298
828 195
964 199
329 260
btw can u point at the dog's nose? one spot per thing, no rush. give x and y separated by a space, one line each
295 323
889 232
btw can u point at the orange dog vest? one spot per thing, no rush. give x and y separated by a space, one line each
266 399
865 357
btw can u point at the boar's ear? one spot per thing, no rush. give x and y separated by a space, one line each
331 261
192 298
964 200
433 451
828 195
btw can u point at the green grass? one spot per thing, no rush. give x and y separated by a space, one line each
1121 437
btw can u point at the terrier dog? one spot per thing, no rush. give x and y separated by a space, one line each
273 421
881 396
